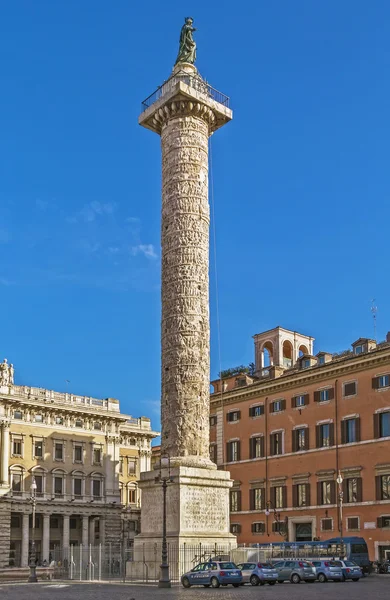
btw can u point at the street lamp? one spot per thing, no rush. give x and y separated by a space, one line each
32 578
282 528
340 497
164 478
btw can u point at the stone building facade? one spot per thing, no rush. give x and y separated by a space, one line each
287 432
85 458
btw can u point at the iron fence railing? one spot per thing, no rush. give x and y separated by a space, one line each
193 81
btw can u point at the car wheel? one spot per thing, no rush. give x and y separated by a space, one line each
355 579
271 582
214 582
254 580
295 578
186 582
322 578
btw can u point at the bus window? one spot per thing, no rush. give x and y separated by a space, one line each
359 549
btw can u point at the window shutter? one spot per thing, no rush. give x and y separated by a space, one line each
379 522
251 411
316 396
350 389
319 492
251 447
294 436
273 496
375 383
306 399
331 394
333 492
238 450
253 528
261 410
295 495
293 402
307 446
359 490
343 432
262 446
284 496
272 444
228 452
377 426
308 502
239 499
283 405
357 428
331 434
228 416
262 499
318 436
345 490
378 487
238 414
271 407
251 499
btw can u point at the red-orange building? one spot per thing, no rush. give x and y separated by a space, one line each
290 430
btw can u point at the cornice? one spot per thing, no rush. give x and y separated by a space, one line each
301 378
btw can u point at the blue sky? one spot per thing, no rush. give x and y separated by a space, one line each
301 179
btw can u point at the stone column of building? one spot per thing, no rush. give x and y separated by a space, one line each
25 540
92 522
185 112
5 452
85 525
102 530
65 533
111 467
46 537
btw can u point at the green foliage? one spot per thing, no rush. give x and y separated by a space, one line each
237 371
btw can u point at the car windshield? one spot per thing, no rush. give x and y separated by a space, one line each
334 563
265 566
349 563
227 565
337 563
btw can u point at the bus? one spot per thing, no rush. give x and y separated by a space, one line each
349 548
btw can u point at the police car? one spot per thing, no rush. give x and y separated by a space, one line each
214 574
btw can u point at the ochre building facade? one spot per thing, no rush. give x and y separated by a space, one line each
301 422
85 458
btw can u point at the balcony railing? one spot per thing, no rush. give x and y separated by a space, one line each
193 81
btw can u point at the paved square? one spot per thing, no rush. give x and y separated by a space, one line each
377 587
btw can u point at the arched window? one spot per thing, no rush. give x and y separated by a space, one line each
39 475
287 354
302 350
78 484
97 486
59 483
16 474
267 355
132 493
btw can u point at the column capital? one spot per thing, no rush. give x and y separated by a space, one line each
5 423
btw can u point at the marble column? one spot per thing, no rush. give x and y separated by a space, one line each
25 541
5 453
102 530
46 538
85 525
65 533
92 531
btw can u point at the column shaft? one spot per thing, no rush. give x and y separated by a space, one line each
185 330
92 531
25 541
46 538
65 533
85 525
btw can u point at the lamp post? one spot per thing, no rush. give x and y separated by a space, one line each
340 498
164 478
32 578
282 528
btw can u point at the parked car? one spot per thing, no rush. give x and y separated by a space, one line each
327 569
295 571
214 574
258 573
350 570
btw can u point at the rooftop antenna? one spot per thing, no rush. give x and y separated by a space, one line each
374 310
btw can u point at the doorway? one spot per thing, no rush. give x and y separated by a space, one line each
303 532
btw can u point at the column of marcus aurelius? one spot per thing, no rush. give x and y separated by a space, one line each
184 112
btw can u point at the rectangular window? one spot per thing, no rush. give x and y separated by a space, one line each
38 449
359 349
77 487
276 440
213 420
277 406
383 521
325 435
235 528
16 482
97 426
213 453
59 421
353 523
233 416
78 423
324 395
256 411
131 467
72 523
350 389
300 439
258 527
351 487
327 492
385 487
54 523
18 414
235 500
78 454
38 419
327 524
132 496
279 496
58 486
300 401
383 381
256 447
321 360
39 484
257 499
350 431
302 494
15 521
96 488
233 451
384 424
59 451
97 456
16 447
306 363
